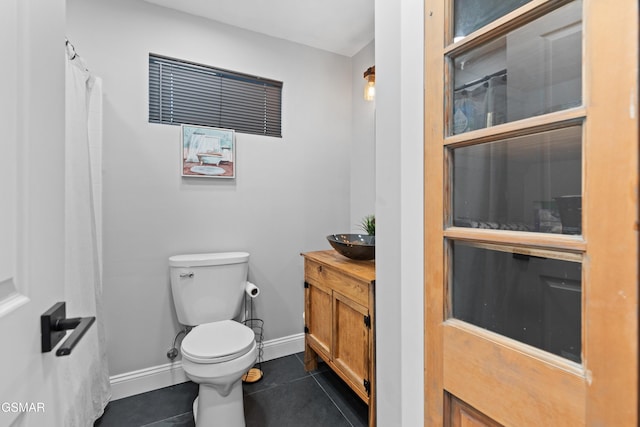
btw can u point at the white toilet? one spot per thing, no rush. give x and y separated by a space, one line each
208 292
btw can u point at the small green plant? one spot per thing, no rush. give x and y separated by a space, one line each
368 225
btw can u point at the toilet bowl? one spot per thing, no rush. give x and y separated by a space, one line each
208 291
215 356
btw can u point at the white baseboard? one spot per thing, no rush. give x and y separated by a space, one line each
143 380
284 346
155 377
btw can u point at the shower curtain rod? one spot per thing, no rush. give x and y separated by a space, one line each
481 80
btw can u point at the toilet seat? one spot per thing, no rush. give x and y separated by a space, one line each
217 342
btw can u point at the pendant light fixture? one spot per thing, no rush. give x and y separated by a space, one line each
370 87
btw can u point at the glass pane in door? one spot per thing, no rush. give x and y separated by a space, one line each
531 299
533 70
531 183
470 15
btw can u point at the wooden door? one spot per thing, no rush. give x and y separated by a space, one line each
318 315
531 213
351 342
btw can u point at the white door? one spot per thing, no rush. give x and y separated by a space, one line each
31 209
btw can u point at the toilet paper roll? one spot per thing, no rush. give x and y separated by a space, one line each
252 290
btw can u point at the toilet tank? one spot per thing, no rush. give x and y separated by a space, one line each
208 287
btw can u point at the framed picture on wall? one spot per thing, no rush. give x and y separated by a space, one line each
208 152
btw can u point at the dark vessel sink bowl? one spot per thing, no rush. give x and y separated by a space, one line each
361 247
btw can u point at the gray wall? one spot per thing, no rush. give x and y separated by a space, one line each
289 193
363 150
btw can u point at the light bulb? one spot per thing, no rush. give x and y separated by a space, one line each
370 91
370 87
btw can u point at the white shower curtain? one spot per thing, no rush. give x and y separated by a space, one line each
86 378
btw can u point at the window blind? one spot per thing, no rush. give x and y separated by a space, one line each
182 92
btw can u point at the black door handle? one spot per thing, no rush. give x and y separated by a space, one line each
54 324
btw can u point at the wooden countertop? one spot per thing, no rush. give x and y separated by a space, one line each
362 270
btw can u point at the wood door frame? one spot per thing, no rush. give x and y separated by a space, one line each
610 203
611 200
434 211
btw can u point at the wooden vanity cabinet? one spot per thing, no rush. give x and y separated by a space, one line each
339 320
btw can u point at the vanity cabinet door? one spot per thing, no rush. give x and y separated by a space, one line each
318 314
351 342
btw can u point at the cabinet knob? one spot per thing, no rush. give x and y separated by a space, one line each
319 269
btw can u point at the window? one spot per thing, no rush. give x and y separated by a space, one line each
182 92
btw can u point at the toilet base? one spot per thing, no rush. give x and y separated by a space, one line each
210 409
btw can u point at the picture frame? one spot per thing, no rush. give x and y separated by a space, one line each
207 152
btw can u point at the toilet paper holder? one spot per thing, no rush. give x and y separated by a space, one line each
54 324
251 290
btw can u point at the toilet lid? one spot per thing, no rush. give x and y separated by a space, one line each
217 342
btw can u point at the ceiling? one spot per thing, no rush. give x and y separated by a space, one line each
340 26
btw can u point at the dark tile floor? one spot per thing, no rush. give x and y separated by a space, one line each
287 396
